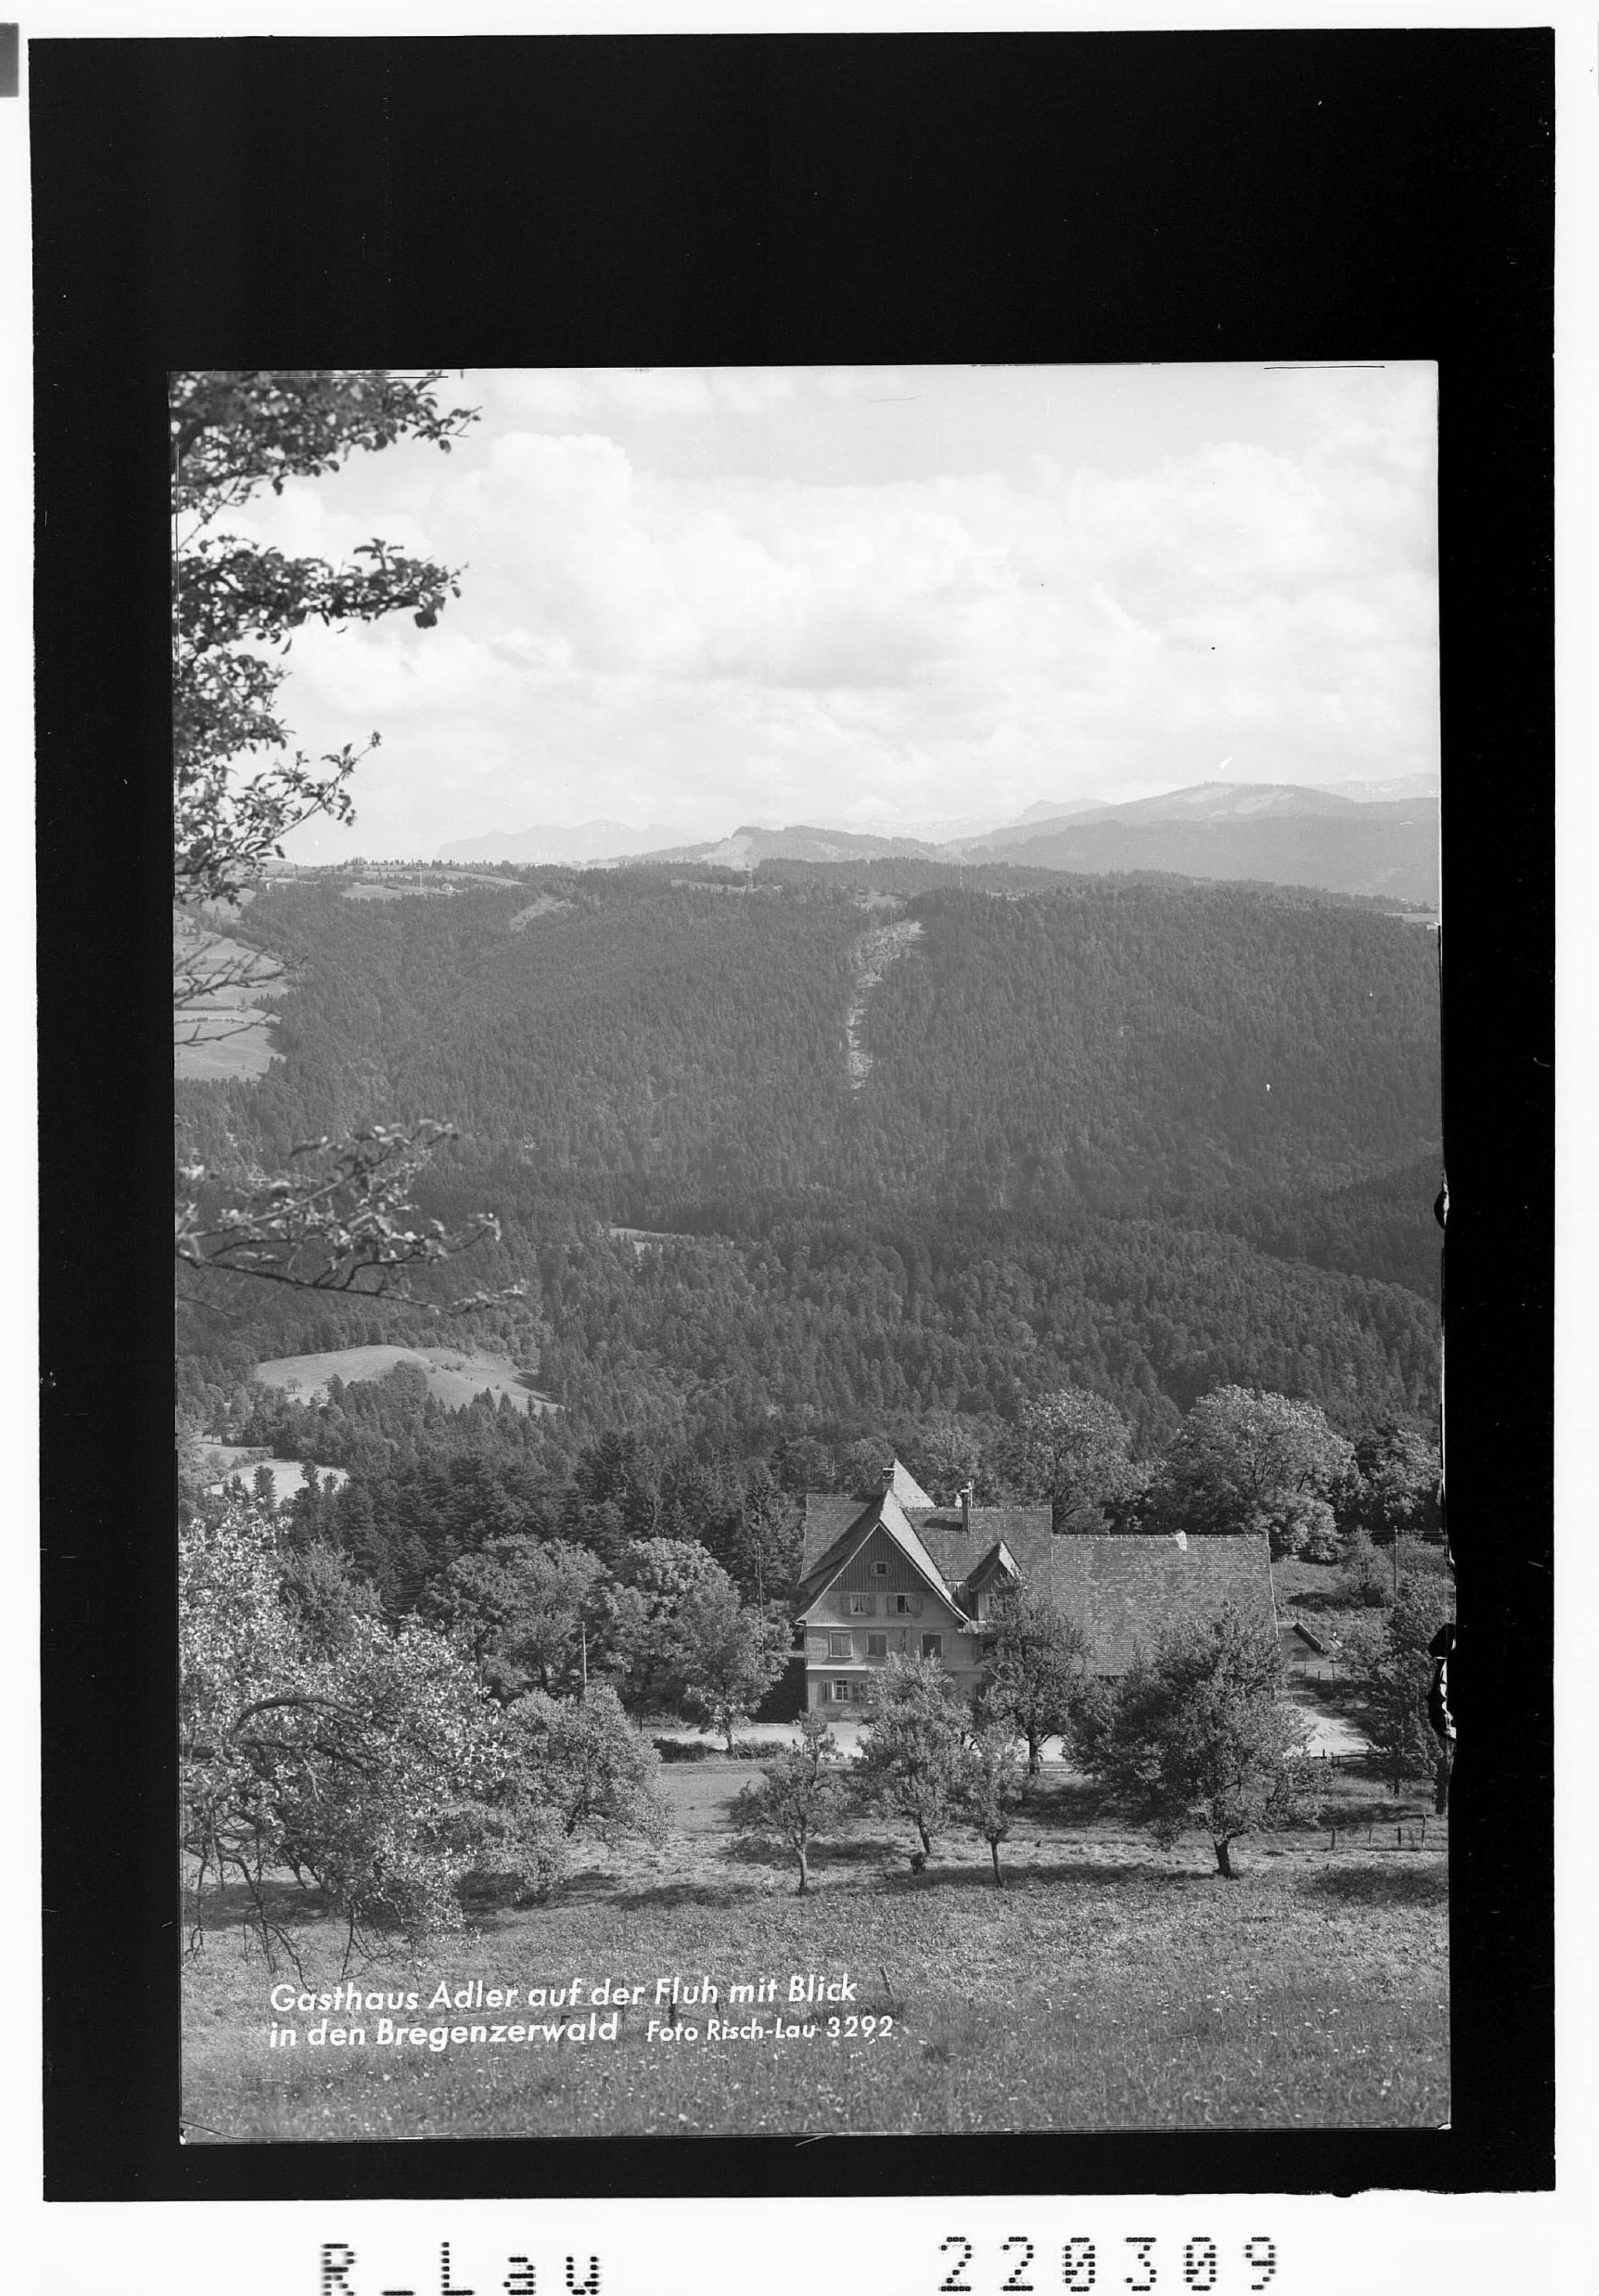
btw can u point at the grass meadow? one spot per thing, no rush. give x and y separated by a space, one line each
1109 1985
455 1375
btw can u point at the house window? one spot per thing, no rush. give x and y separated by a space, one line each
901 1605
877 1645
841 1690
880 1570
932 1647
840 1646
860 1606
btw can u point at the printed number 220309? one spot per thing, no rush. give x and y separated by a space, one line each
1025 2271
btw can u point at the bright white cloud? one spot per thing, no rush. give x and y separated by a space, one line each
677 635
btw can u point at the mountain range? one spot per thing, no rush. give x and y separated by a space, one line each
1378 838
1270 834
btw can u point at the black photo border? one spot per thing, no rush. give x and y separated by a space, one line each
745 199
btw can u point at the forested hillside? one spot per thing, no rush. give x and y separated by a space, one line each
1140 1138
650 1045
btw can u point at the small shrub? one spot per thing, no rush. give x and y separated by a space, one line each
680 1750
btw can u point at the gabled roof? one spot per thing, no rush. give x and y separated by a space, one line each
905 1487
959 1552
937 1540
1127 1589
997 1563
835 1526
886 1515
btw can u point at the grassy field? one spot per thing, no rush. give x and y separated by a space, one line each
453 1376
236 1035
1109 1986
222 1460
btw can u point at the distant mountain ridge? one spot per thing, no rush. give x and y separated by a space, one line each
1402 785
749 845
1273 833
1376 837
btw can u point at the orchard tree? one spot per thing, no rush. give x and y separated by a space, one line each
345 1220
360 1760
1392 1672
1366 1579
1201 1735
531 1612
992 1788
236 1643
731 1655
911 1759
368 1759
646 1645
799 1797
325 1596
1243 1460
1070 1447
1037 1663
582 1761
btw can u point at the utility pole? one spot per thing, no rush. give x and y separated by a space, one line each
583 1624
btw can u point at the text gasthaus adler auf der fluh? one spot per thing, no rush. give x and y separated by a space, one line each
753 2009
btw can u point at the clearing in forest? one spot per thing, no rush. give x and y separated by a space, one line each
876 952
454 1374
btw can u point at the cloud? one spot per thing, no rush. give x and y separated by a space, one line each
638 394
639 634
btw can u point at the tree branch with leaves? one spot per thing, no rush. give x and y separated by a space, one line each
345 1220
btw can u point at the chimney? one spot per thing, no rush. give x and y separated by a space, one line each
965 1497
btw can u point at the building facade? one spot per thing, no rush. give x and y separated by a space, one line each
898 1575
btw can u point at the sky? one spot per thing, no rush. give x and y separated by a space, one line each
877 597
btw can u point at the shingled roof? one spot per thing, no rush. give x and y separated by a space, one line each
1125 1589
939 1538
958 1552
905 1487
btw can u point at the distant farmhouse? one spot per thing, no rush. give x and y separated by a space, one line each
899 1574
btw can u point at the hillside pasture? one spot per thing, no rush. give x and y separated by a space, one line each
1108 1987
454 1374
234 1033
288 1477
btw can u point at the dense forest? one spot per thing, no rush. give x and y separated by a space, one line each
1140 1138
